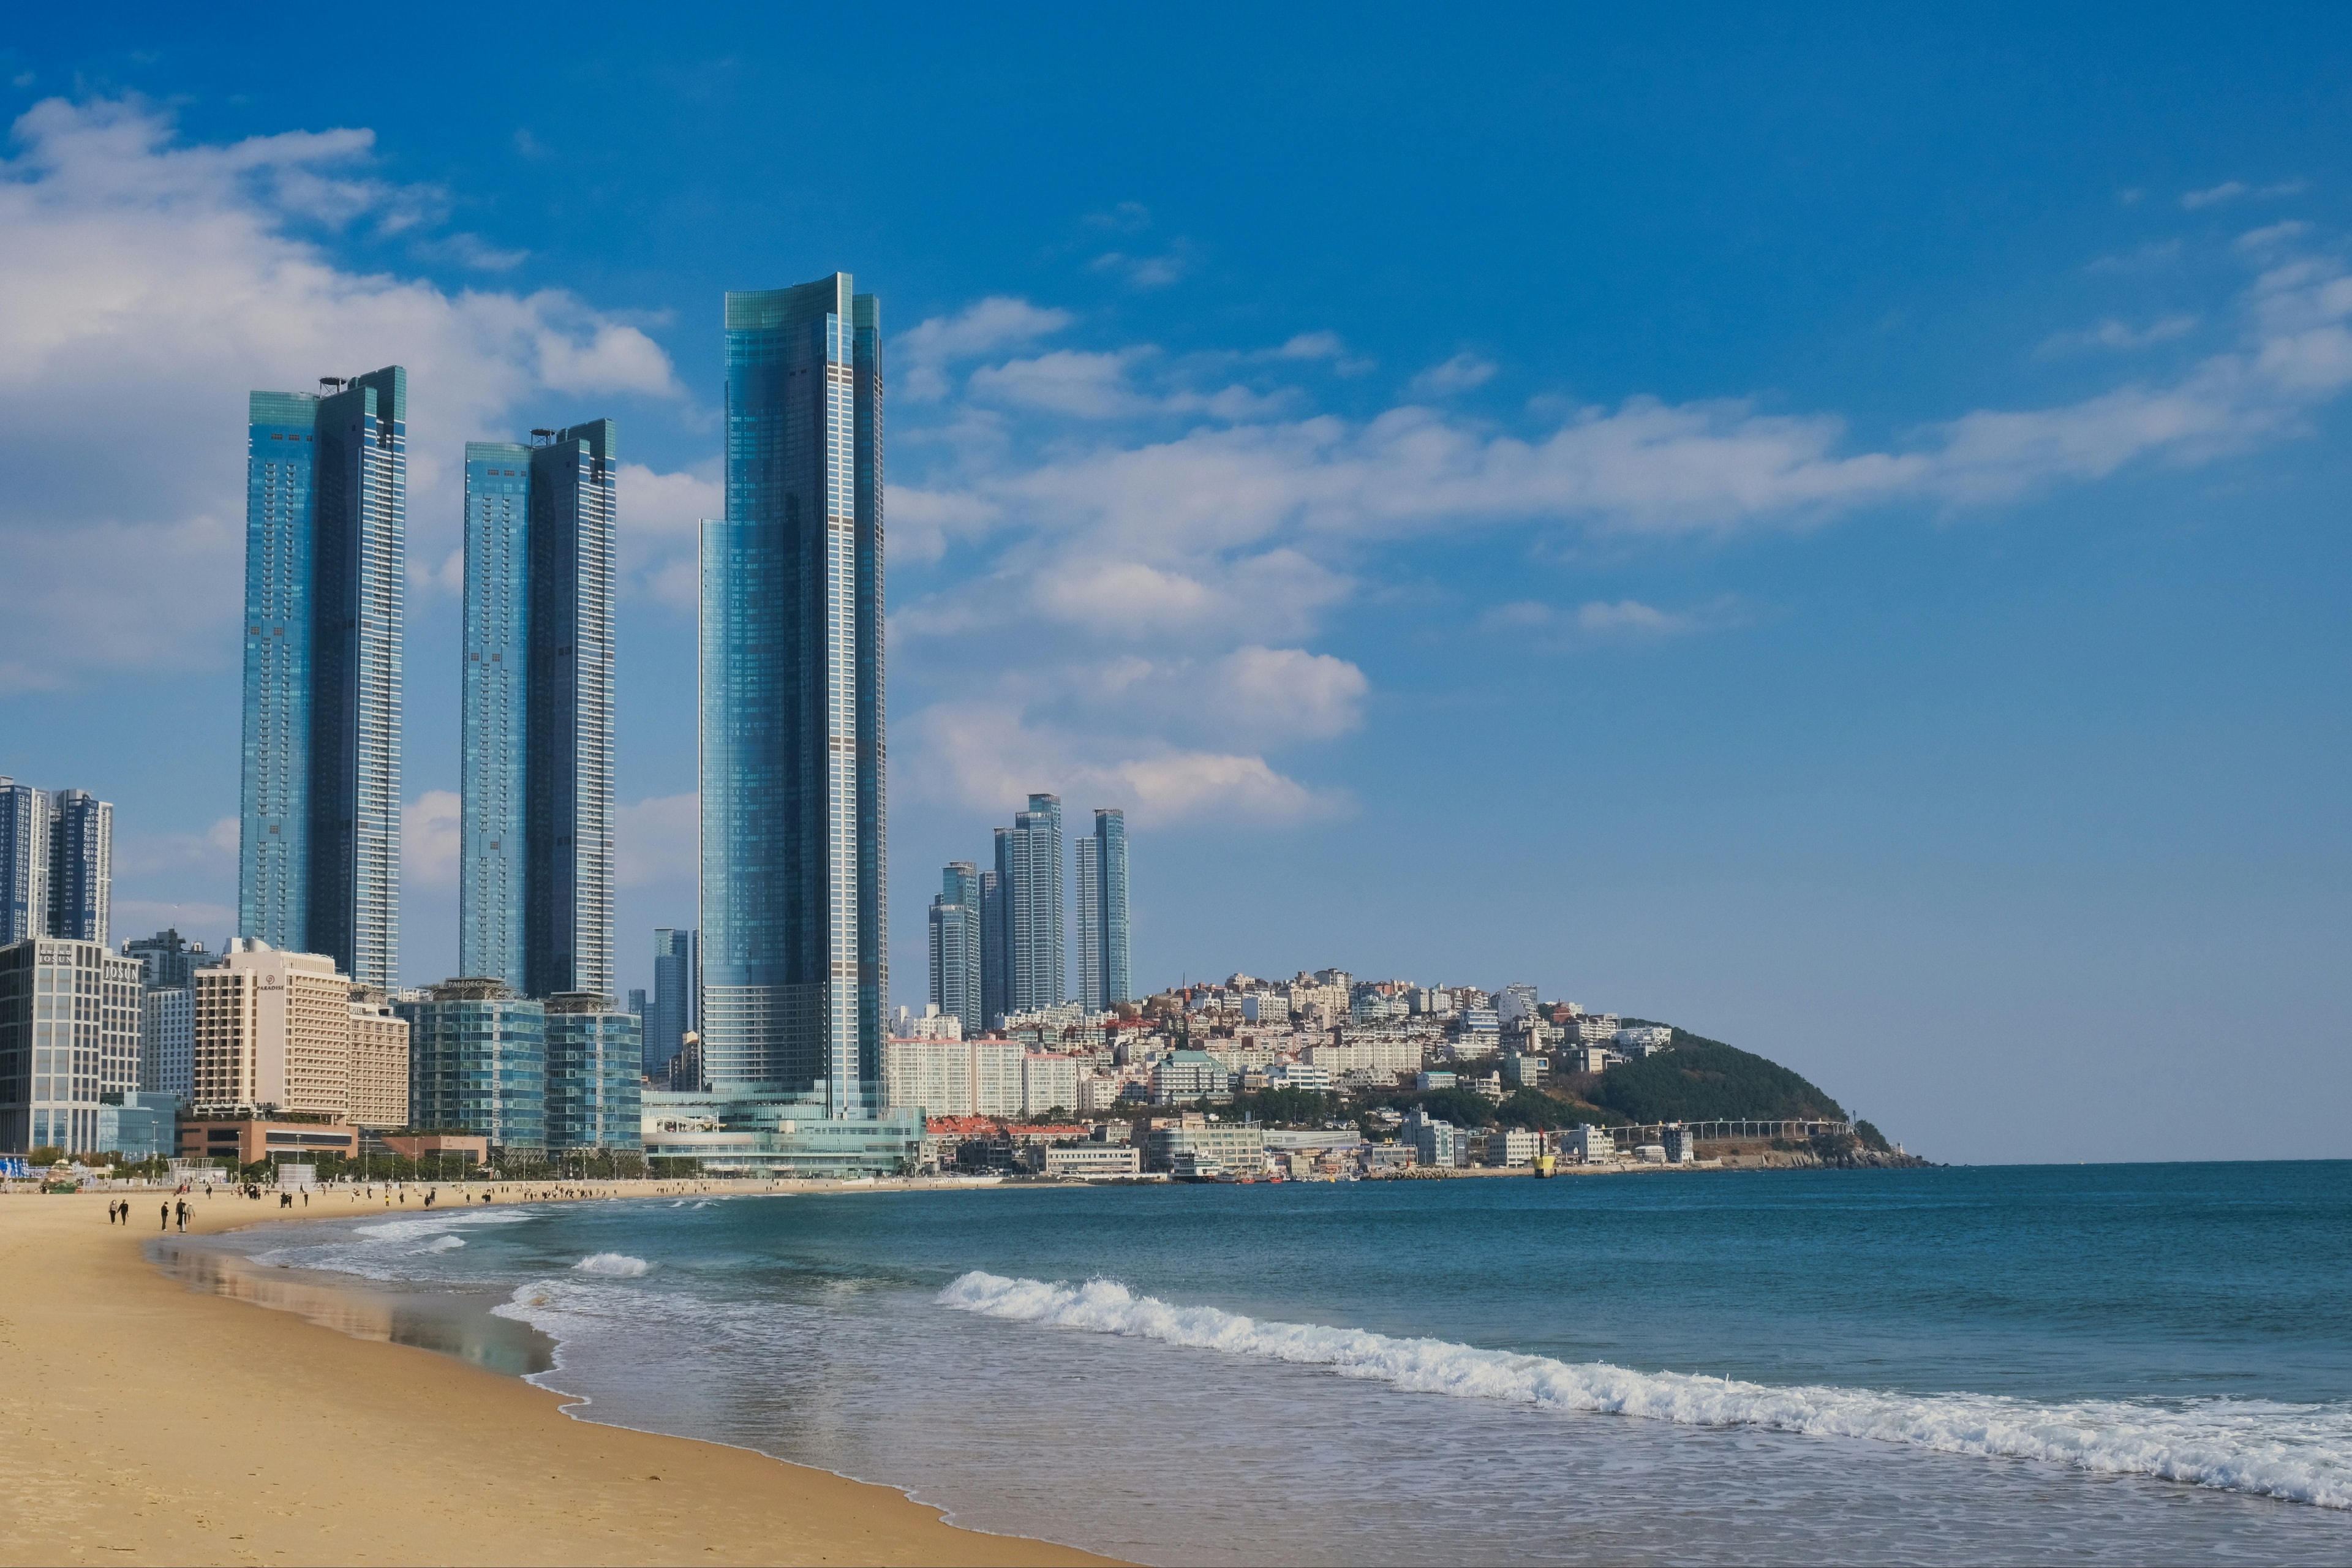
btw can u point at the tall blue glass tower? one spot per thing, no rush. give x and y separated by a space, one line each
794 968
535 892
325 536
1103 969
1029 870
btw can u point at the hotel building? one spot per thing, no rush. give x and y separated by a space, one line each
285 1032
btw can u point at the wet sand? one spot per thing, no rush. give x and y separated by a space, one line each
147 1422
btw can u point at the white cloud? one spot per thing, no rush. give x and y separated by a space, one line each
1325 346
927 349
659 534
1627 617
2271 237
1066 381
1460 374
1597 619
151 284
432 833
1288 691
1143 271
982 757
656 841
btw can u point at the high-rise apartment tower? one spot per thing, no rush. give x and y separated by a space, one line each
1029 865
677 1010
795 962
535 889
956 946
24 861
82 866
325 523
1103 976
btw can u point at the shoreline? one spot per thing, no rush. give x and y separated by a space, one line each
158 1422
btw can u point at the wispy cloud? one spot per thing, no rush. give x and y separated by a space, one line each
2237 190
1461 374
2121 336
932 347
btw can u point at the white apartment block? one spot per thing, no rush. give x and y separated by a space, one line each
1643 1039
954 1077
1048 1081
1591 1029
1589 1145
167 1042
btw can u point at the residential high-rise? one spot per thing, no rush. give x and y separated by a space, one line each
794 966
82 866
326 518
1103 976
24 861
677 997
594 1080
167 1041
171 960
1029 865
535 889
995 950
955 946
69 1036
478 1063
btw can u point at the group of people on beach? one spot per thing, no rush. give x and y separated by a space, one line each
119 1213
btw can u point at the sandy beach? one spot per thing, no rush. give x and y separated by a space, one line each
147 1423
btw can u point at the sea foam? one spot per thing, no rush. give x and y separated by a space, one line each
2300 1453
614 1265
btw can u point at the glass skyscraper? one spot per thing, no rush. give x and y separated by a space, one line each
1029 867
1103 976
325 523
82 866
794 966
593 1082
535 890
478 1063
676 1008
956 947
24 861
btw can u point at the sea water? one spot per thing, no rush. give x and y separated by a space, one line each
2100 1364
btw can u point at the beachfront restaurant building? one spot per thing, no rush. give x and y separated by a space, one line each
778 1134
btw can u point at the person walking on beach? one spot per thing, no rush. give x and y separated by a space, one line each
166 1222
183 1213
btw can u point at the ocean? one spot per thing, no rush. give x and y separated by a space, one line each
2118 1363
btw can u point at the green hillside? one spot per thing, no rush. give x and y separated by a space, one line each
1699 1080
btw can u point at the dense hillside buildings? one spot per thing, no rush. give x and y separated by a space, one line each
69 1036
535 889
794 961
326 520
1103 972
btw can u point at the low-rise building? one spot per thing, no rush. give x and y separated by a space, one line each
1434 1078
1643 1039
249 1139
1681 1146
1206 1149
1588 1144
1093 1160
1513 1146
1525 1071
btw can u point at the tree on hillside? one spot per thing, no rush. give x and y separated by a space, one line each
1699 1080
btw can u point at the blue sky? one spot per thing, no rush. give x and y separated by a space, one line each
1827 528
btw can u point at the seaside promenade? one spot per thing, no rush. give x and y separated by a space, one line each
152 1424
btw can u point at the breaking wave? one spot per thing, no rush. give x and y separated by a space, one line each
2300 1453
614 1265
